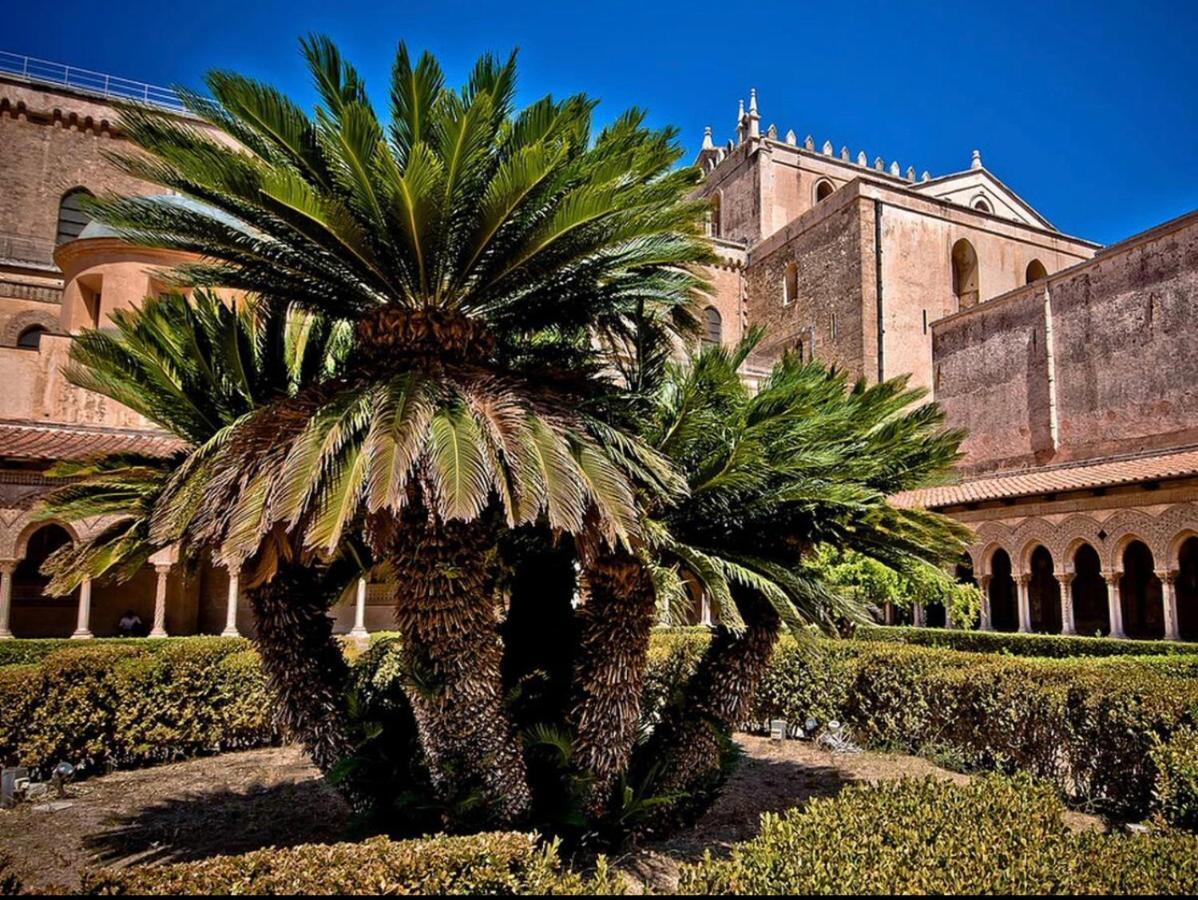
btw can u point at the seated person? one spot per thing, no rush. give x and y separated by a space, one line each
130 624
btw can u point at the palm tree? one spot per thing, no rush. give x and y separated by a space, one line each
495 264
807 459
195 367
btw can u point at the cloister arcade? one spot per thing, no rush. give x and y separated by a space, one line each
1133 574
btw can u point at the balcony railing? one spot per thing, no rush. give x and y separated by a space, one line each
105 85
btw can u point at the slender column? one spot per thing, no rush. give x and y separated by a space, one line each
83 624
919 615
359 629
1025 605
7 568
159 629
888 613
1068 623
1114 603
708 618
1169 601
984 587
230 606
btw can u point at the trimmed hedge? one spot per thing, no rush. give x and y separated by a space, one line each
106 706
1176 794
497 863
24 651
1055 646
992 836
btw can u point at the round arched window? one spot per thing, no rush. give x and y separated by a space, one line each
31 337
713 326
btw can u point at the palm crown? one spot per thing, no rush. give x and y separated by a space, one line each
497 265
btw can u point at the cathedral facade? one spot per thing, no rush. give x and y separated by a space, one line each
1070 364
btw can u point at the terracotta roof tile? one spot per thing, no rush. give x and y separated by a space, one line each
1054 479
26 441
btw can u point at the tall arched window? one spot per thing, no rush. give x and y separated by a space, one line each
790 283
31 337
1035 271
713 326
72 218
965 274
823 189
714 225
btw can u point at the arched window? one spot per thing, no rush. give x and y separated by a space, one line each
31 337
713 326
71 216
714 225
790 283
965 274
1035 271
981 204
823 189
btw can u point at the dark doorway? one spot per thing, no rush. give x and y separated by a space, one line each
1004 609
1140 592
1091 609
1044 594
1187 590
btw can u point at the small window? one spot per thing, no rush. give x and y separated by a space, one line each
714 225
713 326
790 283
72 218
31 337
1035 271
981 204
833 329
823 190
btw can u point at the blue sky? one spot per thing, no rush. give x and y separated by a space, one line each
1086 109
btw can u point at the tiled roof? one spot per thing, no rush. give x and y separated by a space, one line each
1054 479
26 441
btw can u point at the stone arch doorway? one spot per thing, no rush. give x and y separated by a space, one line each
1187 589
1091 610
1140 594
1004 610
34 614
1044 593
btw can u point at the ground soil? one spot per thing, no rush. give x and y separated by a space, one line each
273 797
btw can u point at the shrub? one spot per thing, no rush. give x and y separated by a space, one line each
932 837
1050 645
1176 790
496 863
23 651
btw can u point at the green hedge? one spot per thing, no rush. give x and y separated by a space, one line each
1055 646
1176 793
992 836
497 863
23 651
118 705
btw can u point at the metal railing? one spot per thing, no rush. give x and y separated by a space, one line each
105 85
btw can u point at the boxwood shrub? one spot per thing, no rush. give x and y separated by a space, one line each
1176 794
992 836
1051 645
22 651
498 863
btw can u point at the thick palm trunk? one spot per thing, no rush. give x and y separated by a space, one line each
609 674
305 667
447 613
689 746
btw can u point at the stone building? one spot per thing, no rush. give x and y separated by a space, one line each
1023 332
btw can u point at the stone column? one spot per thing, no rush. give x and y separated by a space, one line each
231 606
1025 606
919 616
83 624
7 568
159 629
887 613
1068 621
359 629
707 619
1169 601
984 587
1114 602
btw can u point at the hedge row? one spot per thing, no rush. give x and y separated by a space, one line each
497 863
1055 646
24 651
992 836
107 706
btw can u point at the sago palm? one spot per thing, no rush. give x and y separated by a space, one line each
806 459
195 367
495 263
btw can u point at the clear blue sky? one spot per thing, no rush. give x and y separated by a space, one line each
1086 109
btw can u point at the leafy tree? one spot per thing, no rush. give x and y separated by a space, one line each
497 266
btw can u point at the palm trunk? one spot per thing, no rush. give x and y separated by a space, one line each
689 747
305 667
609 675
447 613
